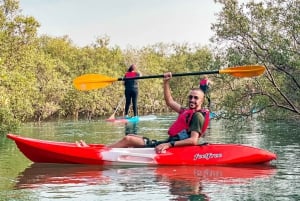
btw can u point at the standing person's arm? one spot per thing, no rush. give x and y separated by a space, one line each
167 93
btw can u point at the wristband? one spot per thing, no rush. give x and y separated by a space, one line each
172 143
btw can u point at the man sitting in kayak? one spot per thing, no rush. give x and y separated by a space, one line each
186 130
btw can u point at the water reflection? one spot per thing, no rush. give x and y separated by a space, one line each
77 182
44 174
176 182
131 128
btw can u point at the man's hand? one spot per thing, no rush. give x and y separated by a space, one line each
167 76
162 148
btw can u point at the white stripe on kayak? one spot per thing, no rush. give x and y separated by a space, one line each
130 155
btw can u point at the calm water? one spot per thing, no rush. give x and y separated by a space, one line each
22 180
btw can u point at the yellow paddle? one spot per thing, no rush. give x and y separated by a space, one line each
95 81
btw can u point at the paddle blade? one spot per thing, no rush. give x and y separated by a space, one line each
244 71
92 81
112 117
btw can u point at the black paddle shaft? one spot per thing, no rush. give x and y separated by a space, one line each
173 75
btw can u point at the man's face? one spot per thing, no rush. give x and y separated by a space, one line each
195 99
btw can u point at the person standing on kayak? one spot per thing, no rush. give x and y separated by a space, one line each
205 85
186 130
131 90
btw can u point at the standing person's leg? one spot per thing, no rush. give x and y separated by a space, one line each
208 98
127 102
135 94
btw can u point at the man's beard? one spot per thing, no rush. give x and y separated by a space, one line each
192 105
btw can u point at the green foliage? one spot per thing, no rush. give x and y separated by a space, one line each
267 33
36 73
7 121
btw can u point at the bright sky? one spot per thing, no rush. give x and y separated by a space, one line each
134 23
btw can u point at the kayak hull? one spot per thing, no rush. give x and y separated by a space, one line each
42 151
124 120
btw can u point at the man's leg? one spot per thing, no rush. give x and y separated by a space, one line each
129 140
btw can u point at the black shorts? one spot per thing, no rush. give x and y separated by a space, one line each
153 143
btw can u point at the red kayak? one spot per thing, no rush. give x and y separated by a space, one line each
42 151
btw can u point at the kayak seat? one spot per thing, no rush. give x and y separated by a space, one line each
203 144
